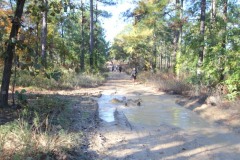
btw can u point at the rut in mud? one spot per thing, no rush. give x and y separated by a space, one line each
155 129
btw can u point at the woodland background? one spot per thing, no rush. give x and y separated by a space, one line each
188 47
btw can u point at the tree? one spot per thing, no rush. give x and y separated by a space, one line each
8 59
202 36
223 52
5 24
91 34
179 36
44 32
82 60
202 45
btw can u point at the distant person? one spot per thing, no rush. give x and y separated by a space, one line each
120 69
134 74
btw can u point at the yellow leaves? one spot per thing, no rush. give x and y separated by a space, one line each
152 1
129 49
147 32
51 29
5 21
142 32
21 52
2 23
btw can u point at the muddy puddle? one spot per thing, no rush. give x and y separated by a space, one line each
107 107
153 111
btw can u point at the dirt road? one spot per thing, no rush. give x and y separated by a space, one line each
121 139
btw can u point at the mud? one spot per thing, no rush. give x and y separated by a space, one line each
118 128
124 137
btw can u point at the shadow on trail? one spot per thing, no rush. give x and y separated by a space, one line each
169 143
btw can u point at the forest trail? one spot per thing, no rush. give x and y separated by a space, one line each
121 139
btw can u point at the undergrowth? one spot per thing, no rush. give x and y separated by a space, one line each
67 80
166 82
40 131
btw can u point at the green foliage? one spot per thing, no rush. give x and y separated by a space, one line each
83 80
55 74
60 78
21 97
233 84
153 40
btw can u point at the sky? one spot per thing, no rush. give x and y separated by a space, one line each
116 23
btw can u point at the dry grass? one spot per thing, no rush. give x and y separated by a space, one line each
39 132
166 82
18 140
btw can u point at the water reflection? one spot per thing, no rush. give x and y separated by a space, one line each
107 107
154 110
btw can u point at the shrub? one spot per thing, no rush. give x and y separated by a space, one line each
67 79
166 82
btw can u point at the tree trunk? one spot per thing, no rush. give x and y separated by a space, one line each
202 46
213 12
161 62
16 23
179 45
154 58
154 65
221 58
44 33
95 56
91 34
212 28
176 33
82 56
166 59
37 43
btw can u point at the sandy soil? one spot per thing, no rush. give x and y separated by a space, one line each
123 140
224 113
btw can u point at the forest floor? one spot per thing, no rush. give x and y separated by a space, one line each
121 139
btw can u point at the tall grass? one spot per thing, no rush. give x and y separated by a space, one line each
23 141
40 132
166 82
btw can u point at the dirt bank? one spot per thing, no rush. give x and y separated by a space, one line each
224 114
